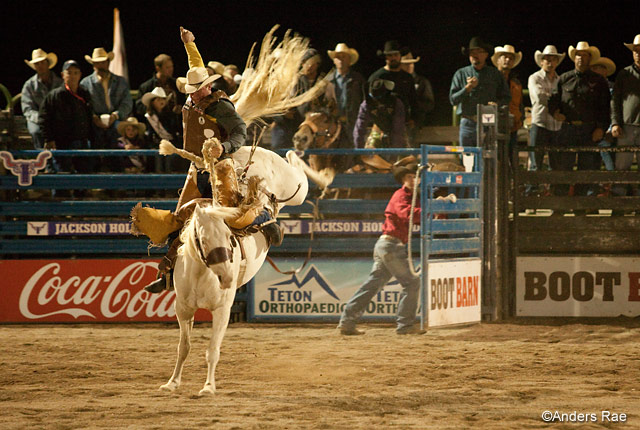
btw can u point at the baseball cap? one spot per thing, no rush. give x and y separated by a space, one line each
70 63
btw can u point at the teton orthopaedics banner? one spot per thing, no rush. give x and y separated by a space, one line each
108 290
578 286
317 293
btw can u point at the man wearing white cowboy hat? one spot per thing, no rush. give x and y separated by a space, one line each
204 115
476 84
404 85
544 127
625 109
36 88
349 85
581 102
110 99
425 100
505 58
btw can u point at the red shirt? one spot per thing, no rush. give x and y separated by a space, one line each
396 214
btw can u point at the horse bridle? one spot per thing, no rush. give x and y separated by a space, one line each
316 132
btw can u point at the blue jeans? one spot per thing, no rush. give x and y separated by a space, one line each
36 135
468 132
389 259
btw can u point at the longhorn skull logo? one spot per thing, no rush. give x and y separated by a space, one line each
25 170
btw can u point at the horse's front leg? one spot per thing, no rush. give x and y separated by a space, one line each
219 326
185 319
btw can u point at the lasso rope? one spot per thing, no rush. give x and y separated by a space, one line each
416 182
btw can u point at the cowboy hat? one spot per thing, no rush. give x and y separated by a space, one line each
605 62
98 55
342 47
506 49
548 50
408 58
477 43
197 77
39 55
399 172
584 46
132 121
157 92
391 47
636 42
216 66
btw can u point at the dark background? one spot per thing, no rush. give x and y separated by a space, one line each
225 31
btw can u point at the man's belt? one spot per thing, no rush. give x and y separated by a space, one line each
390 238
473 118
579 123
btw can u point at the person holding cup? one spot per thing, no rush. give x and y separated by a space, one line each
111 102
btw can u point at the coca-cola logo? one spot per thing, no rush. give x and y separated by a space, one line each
117 296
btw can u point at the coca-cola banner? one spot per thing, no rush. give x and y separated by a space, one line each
46 291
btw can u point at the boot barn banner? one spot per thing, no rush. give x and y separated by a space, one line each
74 291
454 292
578 286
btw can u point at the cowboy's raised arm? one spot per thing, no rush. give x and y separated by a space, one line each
193 55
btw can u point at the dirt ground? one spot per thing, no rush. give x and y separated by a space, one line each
502 375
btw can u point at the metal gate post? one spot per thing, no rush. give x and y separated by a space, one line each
491 273
425 237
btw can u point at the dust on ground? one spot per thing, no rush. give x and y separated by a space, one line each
498 375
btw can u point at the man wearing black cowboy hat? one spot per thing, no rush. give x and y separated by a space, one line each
477 83
404 85
390 258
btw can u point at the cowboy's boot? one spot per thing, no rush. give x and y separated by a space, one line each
165 268
270 228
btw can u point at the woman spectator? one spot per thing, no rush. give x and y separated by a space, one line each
162 124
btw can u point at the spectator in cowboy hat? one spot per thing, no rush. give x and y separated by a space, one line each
232 77
392 71
390 258
505 58
162 77
217 68
476 84
425 100
349 85
161 124
581 102
132 137
544 128
110 99
625 111
36 88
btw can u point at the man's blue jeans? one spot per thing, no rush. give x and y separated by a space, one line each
389 259
468 132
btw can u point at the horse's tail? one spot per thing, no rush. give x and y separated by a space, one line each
269 86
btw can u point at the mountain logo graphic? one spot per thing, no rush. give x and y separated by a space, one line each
312 275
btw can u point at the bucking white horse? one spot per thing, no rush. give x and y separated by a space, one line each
212 262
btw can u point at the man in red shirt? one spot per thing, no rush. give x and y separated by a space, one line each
390 259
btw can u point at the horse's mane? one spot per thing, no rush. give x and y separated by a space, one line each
268 84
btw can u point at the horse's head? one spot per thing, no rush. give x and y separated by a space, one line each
318 130
209 239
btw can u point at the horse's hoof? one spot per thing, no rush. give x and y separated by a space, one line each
169 386
208 390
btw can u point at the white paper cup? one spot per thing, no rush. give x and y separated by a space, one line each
105 117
